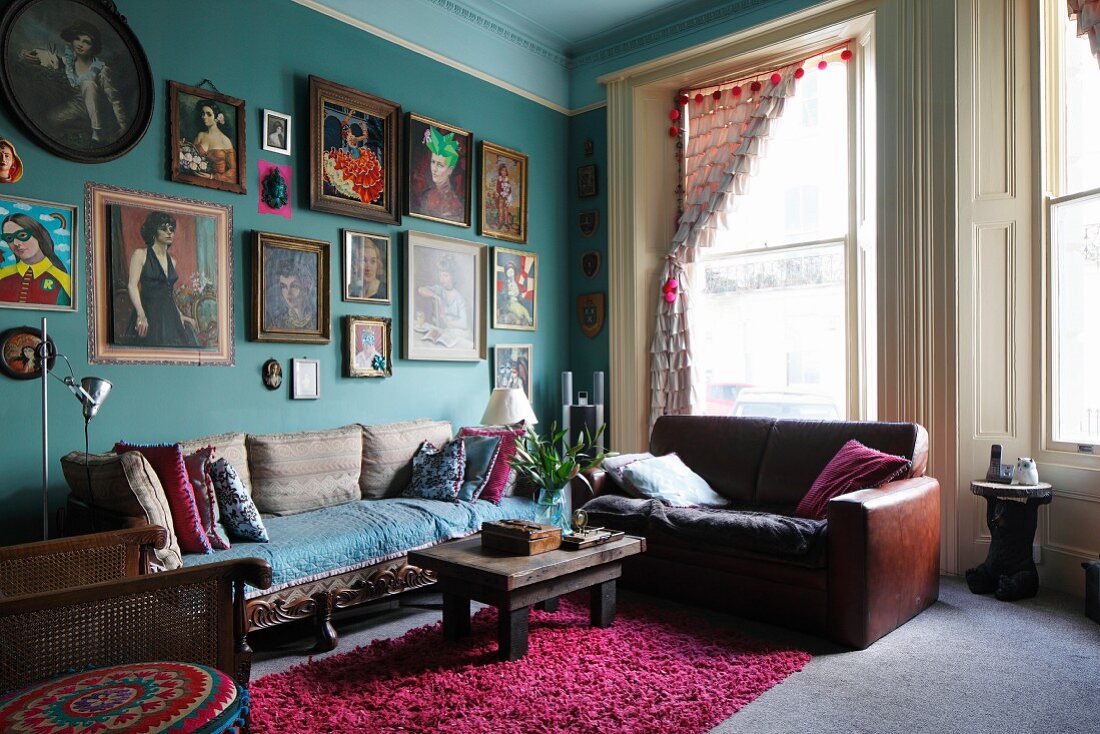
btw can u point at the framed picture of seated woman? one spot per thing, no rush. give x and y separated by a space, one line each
160 277
206 138
354 167
439 165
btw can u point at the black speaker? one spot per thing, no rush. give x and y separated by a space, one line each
580 418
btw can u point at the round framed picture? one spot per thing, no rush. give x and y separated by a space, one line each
18 347
75 76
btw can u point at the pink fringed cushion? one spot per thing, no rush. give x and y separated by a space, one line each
202 489
501 472
854 467
167 462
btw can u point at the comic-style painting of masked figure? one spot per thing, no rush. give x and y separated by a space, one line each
36 255
75 74
439 171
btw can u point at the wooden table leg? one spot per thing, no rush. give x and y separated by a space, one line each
456 616
512 633
602 604
548 605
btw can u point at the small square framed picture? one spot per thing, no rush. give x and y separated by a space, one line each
586 181
305 379
276 132
368 346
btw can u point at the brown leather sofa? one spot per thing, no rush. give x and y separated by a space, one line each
878 565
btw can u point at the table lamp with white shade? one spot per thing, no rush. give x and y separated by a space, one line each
508 406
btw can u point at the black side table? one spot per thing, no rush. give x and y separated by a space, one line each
1011 512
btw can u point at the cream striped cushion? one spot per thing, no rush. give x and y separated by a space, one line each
296 472
228 446
388 450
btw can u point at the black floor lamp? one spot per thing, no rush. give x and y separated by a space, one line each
91 392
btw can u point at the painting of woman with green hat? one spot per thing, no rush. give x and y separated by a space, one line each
439 165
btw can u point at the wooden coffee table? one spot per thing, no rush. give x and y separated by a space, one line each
465 571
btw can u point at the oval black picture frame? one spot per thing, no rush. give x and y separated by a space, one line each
113 22
9 334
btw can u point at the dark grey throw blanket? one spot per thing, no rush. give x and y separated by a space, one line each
757 532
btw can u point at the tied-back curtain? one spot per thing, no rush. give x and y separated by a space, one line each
726 140
1087 14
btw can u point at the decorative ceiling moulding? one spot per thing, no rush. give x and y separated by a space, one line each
503 30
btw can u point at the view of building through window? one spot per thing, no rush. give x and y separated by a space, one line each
770 326
1075 250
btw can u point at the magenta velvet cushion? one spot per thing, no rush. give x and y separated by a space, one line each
167 462
202 489
501 472
854 467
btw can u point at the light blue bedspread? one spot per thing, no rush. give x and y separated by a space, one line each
332 540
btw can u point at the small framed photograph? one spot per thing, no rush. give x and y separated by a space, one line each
276 132
586 181
512 367
444 298
515 281
36 233
19 352
160 278
305 379
503 193
439 166
206 139
353 160
290 289
366 267
368 346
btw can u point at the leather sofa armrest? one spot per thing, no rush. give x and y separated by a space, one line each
884 558
591 483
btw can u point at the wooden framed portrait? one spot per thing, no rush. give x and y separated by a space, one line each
305 379
354 166
439 167
276 132
206 140
160 278
290 289
512 367
45 45
19 352
444 298
37 239
515 281
503 193
586 181
366 267
368 346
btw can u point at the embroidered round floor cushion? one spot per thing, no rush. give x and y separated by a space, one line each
141 698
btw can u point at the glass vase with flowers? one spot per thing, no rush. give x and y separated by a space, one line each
551 463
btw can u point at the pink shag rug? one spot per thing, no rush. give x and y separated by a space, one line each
654 670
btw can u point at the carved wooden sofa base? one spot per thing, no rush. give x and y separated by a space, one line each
318 600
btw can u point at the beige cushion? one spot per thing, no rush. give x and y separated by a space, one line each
307 470
231 447
125 484
388 450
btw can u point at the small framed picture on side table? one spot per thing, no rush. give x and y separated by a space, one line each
306 382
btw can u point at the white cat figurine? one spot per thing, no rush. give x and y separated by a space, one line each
1025 472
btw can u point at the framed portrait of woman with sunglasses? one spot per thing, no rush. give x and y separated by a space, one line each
37 252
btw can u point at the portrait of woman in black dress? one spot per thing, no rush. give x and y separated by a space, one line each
156 319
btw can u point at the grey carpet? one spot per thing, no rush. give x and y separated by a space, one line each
970 664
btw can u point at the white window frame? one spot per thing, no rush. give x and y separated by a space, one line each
1052 18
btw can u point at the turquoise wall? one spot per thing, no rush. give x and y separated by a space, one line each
263 51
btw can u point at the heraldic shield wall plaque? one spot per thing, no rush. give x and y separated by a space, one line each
590 313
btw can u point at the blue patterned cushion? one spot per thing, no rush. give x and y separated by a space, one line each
238 512
482 453
437 473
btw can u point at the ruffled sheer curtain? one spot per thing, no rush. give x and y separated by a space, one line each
1087 14
726 140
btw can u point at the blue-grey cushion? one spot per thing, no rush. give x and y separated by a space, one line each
482 453
238 511
437 473
668 479
333 540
